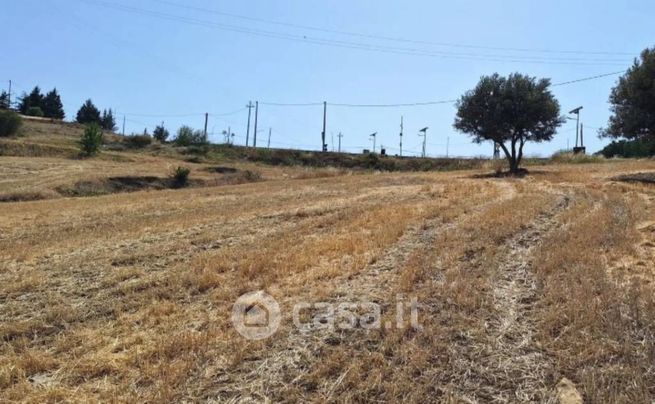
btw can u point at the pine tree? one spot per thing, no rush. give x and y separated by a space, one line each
4 100
52 105
33 100
107 121
88 113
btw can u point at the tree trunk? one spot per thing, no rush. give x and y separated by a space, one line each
511 157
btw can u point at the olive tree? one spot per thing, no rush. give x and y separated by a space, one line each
509 111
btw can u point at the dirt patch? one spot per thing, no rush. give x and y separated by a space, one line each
222 170
113 185
22 197
644 178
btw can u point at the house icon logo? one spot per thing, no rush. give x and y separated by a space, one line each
256 315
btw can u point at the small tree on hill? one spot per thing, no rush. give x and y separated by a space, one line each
10 122
91 139
633 101
34 99
4 100
52 105
34 111
188 137
107 121
160 133
510 111
88 113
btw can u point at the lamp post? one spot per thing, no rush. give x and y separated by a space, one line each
424 133
374 136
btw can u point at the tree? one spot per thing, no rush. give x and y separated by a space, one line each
510 111
107 122
35 111
91 139
52 105
10 122
34 99
160 133
4 100
88 113
187 137
633 101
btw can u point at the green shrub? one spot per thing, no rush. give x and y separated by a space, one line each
91 139
35 111
186 136
181 177
138 141
10 122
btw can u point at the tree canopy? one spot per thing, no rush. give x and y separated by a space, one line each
52 106
31 100
88 113
509 111
107 122
633 101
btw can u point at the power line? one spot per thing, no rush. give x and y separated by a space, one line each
354 45
413 104
386 38
588 78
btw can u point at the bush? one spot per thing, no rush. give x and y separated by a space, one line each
34 111
91 139
161 134
187 137
10 122
181 177
138 141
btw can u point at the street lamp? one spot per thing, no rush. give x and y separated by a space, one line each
373 135
424 133
577 129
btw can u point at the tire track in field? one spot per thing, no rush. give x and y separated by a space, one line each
293 356
508 365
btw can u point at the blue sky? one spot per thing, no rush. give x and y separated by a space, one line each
174 60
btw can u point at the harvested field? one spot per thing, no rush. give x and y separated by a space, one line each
526 289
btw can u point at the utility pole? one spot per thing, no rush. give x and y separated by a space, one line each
401 136
123 125
229 134
206 120
254 135
324 145
9 96
269 138
424 132
374 136
249 106
581 135
340 136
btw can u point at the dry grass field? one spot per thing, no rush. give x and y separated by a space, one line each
522 284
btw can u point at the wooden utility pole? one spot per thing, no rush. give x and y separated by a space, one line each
340 136
206 120
268 146
401 136
250 107
123 125
254 135
324 145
